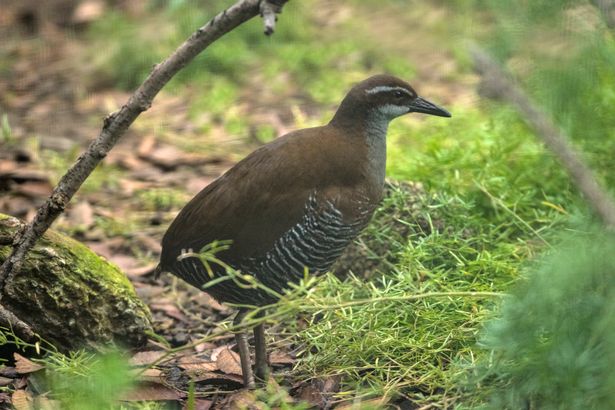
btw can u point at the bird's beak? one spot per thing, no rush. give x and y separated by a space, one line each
423 106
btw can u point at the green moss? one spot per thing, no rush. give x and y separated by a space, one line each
71 296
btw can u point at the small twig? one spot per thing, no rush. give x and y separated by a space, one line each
19 327
115 124
496 83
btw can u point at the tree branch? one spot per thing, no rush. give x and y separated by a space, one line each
496 83
115 124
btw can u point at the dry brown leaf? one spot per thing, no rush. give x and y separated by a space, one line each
312 395
277 357
201 347
25 366
201 404
151 376
123 261
146 146
146 358
318 392
34 189
196 366
244 399
82 214
7 166
140 271
169 308
22 400
151 392
196 184
8 371
207 300
229 362
5 381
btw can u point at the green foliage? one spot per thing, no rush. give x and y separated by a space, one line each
160 199
88 381
400 331
551 346
6 134
563 53
492 162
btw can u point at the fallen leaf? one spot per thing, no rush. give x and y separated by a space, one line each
195 366
229 362
22 400
123 261
8 371
24 366
168 157
277 357
146 146
5 381
244 399
151 392
201 347
151 376
318 392
34 189
207 300
140 271
145 358
169 308
82 214
21 383
201 404
196 184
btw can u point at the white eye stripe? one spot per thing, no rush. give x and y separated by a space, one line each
386 88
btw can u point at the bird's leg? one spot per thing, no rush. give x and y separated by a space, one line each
261 365
244 351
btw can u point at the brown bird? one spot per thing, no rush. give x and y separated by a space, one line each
292 205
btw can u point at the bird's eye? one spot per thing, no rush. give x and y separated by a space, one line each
398 94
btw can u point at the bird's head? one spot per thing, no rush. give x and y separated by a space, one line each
386 97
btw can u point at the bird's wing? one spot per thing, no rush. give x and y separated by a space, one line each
253 204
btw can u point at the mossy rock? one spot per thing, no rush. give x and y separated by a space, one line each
72 297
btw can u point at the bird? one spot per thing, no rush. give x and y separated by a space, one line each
291 206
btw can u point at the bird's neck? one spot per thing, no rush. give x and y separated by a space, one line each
376 127
371 127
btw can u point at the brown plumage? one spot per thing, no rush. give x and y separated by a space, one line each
296 202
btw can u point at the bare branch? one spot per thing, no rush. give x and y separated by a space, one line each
20 328
496 83
115 124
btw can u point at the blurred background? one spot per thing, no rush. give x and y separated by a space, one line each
491 195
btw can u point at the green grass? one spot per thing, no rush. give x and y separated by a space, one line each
549 347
